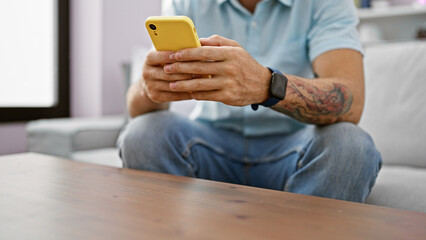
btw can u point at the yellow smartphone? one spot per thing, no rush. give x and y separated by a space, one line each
172 33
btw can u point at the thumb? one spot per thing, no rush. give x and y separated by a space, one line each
218 41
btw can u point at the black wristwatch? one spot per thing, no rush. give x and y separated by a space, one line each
277 90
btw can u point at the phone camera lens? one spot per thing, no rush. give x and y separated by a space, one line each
152 26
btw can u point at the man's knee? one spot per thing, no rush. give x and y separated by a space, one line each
351 158
344 138
148 128
146 136
349 142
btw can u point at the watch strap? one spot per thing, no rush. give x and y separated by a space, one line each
270 101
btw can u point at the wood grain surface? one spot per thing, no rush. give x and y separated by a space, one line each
44 197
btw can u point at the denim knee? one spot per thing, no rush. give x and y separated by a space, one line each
147 137
357 160
347 139
343 162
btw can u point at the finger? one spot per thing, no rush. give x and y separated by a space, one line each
159 74
200 54
163 97
202 68
155 58
217 40
215 95
197 85
158 85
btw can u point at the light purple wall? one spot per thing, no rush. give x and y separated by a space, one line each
12 138
86 52
123 30
104 34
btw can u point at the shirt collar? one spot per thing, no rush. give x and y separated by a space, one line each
285 2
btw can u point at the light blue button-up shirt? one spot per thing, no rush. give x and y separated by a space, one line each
284 34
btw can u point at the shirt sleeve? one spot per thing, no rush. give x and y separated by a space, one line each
334 26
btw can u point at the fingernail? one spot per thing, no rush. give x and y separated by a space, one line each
178 56
172 56
167 68
173 85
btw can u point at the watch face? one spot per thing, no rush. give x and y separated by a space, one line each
278 86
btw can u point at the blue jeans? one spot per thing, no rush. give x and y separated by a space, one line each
337 161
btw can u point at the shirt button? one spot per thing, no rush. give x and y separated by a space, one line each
254 24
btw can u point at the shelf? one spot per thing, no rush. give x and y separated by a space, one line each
391 12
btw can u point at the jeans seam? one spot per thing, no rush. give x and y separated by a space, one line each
372 183
191 169
270 159
198 141
302 153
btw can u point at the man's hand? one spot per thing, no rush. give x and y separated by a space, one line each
237 79
155 82
152 92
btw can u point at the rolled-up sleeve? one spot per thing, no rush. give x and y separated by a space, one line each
334 26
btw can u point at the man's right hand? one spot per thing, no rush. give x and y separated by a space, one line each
152 92
156 83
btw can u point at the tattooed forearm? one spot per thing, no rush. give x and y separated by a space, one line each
319 104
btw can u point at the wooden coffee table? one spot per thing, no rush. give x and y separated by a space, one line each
44 197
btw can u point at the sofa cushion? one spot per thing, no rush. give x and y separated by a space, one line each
61 137
400 187
104 156
395 112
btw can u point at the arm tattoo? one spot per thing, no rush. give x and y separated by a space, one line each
313 104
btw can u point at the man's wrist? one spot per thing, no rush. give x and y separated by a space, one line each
266 83
264 89
138 102
276 89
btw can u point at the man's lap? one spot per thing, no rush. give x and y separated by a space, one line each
189 138
166 142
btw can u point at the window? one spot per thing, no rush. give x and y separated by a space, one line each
34 47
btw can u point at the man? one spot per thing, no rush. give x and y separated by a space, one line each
305 51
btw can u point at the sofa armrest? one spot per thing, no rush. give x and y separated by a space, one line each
62 137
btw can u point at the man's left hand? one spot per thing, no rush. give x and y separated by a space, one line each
236 78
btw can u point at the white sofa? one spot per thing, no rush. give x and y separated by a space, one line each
395 115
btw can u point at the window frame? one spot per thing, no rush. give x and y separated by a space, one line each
62 108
